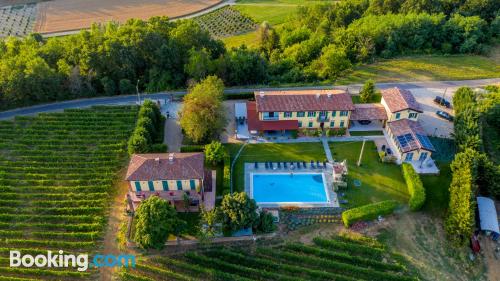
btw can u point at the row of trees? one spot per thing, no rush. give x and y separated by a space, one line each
319 43
473 173
148 133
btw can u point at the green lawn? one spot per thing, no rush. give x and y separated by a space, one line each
272 152
379 181
423 68
366 133
437 190
375 98
249 39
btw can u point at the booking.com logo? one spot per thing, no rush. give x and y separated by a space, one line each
81 261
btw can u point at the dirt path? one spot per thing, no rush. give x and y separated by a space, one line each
116 216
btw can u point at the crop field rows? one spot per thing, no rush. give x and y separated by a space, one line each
17 20
56 172
339 258
226 22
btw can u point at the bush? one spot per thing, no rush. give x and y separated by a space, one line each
415 187
214 152
239 96
238 211
226 183
192 148
294 134
266 222
368 212
159 148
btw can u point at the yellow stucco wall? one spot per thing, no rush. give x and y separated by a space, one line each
416 153
315 123
172 185
403 114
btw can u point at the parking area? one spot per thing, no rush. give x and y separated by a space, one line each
432 124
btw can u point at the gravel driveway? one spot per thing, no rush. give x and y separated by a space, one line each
433 125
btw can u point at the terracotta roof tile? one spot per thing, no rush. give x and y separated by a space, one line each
417 139
369 111
254 124
146 167
398 99
303 100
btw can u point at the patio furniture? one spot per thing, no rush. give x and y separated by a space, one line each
304 163
279 165
312 165
267 165
256 166
343 202
324 164
298 165
271 165
317 164
285 165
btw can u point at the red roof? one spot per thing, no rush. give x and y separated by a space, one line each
369 111
303 100
254 124
398 99
159 166
411 134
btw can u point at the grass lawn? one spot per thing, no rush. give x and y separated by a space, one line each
366 133
379 181
423 68
437 190
249 39
272 152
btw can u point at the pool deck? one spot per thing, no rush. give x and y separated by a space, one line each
250 169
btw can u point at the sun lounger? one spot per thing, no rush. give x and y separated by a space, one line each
324 164
304 163
318 165
267 165
256 166
279 165
285 165
312 165
271 165
298 165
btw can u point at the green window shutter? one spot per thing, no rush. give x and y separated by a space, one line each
192 184
165 185
332 124
310 124
179 185
151 186
137 186
334 113
300 124
342 124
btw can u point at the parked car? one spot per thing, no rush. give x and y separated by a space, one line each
444 115
443 102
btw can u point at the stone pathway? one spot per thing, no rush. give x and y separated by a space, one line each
326 147
173 135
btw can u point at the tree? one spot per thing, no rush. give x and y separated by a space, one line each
199 64
463 98
459 224
203 116
266 222
155 221
332 62
210 221
238 211
214 152
267 37
367 93
126 87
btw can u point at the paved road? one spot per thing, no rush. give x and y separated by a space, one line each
434 86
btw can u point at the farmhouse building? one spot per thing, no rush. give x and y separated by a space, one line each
300 109
178 178
400 104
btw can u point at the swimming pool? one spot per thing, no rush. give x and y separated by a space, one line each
286 188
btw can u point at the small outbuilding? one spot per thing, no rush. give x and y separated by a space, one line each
488 216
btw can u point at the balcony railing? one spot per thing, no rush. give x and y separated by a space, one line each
268 118
323 118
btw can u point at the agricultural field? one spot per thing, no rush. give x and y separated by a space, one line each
337 258
65 15
17 20
56 176
225 22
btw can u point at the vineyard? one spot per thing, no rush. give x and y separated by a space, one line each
56 172
339 258
226 22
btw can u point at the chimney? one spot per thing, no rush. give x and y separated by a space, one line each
329 95
261 94
318 95
171 158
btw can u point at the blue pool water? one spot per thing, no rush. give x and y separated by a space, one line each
296 188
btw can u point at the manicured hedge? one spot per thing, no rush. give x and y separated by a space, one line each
192 148
368 212
239 96
226 185
415 187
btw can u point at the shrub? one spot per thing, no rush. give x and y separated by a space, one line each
415 187
368 212
294 134
238 211
226 183
192 148
214 152
266 222
159 148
